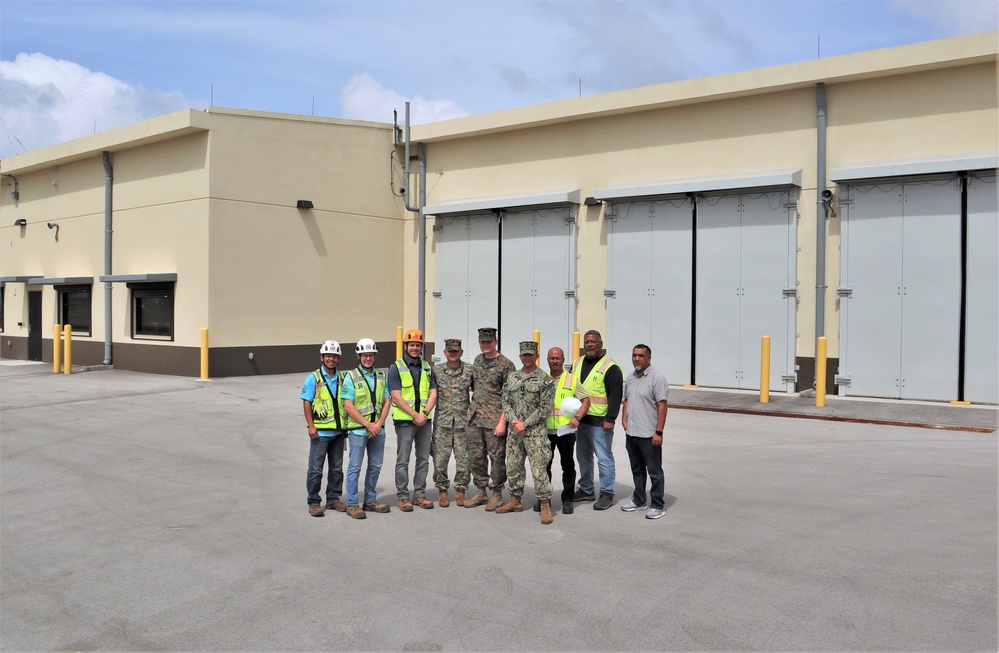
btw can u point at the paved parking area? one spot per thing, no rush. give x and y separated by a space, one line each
145 512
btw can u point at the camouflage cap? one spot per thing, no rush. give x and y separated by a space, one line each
528 347
452 344
487 333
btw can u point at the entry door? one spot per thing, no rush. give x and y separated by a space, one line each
901 290
745 289
467 286
650 278
981 356
34 326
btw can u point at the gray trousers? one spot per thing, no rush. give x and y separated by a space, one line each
407 434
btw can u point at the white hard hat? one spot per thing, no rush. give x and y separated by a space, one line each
571 406
366 346
330 347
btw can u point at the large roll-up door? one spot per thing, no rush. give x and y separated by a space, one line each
510 270
981 383
900 293
649 283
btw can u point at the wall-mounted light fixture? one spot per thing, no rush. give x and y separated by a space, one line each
53 225
20 222
592 201
304 204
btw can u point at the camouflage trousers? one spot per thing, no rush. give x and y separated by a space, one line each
538 449
445 441
485 450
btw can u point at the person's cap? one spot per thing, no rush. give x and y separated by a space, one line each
528 347
452 344
487 333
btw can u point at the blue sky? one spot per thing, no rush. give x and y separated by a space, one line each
70 68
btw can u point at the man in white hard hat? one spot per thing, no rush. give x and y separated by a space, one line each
567 386
366 399
326 421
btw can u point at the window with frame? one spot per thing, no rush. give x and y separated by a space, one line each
152 311
75 308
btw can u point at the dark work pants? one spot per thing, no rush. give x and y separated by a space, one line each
646 460
565 445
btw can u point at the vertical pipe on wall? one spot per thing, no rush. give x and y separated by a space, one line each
820 212
108 182
421 240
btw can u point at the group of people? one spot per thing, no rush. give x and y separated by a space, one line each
492 418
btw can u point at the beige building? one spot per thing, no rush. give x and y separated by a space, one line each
688 216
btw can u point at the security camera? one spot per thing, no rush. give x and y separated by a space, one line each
826 195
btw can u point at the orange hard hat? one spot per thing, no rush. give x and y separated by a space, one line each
413 335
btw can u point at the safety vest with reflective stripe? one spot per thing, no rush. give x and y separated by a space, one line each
364 402
565 388
328 413
409 392
594 384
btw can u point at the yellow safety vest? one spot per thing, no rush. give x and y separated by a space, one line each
566 388
369 406
594 384
409 392
328 413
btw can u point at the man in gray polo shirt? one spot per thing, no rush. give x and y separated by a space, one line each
644 417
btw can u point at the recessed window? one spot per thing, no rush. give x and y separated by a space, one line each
152 310
74 308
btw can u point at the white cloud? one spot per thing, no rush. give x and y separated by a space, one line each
47 101
953 16
364 98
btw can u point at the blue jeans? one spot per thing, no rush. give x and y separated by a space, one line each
595 440
408 434
375 447
321 450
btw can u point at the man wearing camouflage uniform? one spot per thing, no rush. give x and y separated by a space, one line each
454 381
485 432
528 395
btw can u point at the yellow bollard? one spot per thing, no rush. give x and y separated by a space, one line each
536 337
67 335
820 372
575 346
204 353
56 344
398 343
765 370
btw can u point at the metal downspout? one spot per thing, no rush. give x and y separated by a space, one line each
108 182
820 213
422 237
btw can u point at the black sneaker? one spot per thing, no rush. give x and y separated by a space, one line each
583 496
604 502
567 507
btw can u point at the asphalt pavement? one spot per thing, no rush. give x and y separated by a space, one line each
142 512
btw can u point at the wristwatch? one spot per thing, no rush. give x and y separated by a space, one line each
659 432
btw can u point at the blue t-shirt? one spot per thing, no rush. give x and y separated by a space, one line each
309 394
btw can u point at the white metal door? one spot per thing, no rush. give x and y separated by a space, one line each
672 290
719 290
467 279
900 264
981 371
629 281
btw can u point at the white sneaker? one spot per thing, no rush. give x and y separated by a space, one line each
631 506
654 513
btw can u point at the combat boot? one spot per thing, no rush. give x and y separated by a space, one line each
495 501
513 505
546 512
444 503
477 499
459 498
